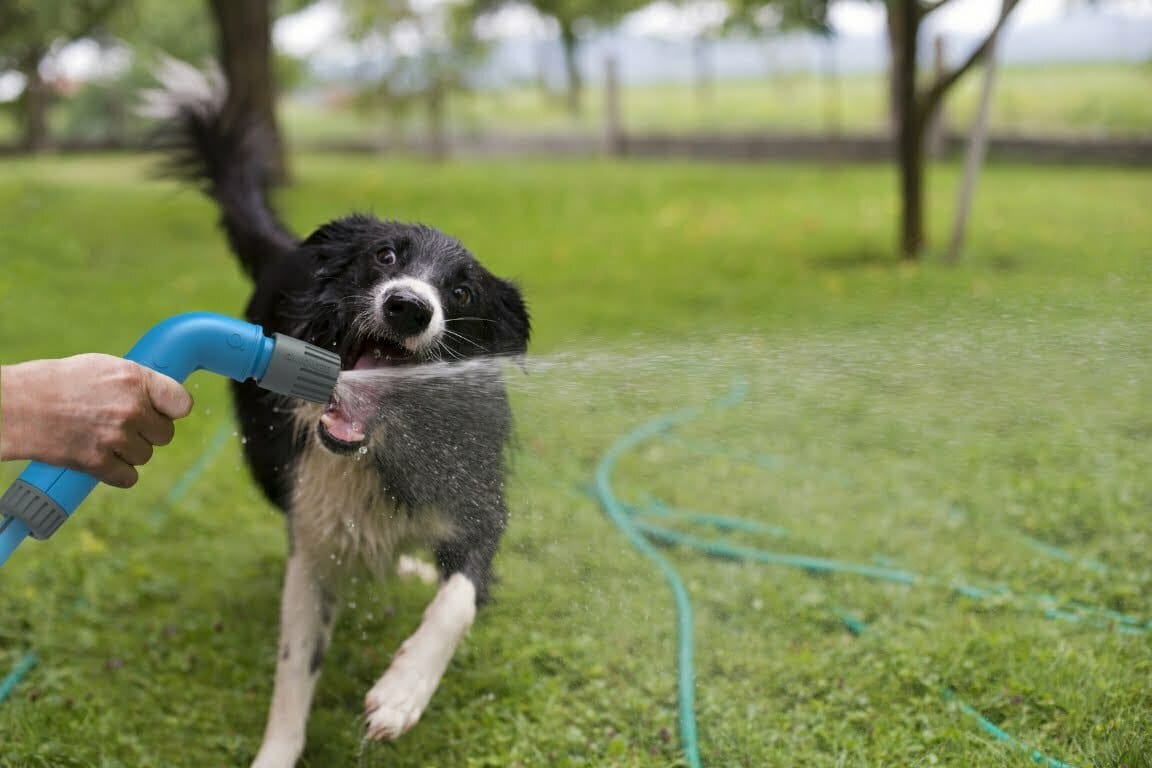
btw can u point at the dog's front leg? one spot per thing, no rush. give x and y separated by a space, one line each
307 612
397 700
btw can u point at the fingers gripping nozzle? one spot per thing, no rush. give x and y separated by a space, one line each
43 497
299 369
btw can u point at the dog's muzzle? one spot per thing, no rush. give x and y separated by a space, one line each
407 313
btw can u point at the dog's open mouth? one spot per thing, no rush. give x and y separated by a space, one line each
377 353
345 421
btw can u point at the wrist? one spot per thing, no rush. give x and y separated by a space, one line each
9 383
18 392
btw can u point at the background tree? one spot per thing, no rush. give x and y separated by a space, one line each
770 18
914 105
419 54
574 19
103 109
708 20
244 46
181 29
30 31
777 16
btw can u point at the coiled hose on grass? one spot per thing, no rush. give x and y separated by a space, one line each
642 535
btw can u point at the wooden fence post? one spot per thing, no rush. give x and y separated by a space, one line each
613 120
977 143
938 127
832 101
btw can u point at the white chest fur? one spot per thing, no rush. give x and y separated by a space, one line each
342 513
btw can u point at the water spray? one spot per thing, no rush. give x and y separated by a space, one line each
44 496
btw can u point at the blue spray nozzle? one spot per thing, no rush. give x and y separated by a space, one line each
43 497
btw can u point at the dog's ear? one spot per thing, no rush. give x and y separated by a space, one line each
514 326
341 231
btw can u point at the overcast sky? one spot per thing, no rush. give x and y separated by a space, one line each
318 26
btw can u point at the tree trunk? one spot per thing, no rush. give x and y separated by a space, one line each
34 135
910 127
911 190
244 29
897 63
570 43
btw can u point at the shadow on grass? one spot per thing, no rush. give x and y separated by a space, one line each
870 257
877 258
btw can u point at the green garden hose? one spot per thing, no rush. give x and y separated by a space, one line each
642 534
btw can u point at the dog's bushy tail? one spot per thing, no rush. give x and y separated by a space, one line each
223 155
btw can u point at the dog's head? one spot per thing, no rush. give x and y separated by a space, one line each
388 294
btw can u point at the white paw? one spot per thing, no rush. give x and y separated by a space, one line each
278 754
412 566
397 700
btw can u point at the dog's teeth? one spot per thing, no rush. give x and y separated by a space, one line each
376 353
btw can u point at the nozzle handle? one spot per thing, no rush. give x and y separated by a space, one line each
43 497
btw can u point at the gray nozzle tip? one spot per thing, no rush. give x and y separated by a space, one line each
299 369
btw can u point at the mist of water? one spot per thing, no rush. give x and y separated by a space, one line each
884 434
952 451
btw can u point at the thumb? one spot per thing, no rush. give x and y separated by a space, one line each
168 396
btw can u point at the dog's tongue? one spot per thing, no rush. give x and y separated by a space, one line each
341 425
366 360
378 354
345 419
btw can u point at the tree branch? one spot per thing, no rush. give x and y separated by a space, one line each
930 7
935 92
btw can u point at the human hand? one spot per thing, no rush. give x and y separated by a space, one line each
94 413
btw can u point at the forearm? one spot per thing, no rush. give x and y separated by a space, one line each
27 405
6 376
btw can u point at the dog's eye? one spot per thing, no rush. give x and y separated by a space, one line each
462 294
387 257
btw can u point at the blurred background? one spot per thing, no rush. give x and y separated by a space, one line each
812 80
894 258
577 76
482 74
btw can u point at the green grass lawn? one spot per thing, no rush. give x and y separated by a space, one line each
974 425
1085 99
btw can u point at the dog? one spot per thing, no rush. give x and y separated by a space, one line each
361 480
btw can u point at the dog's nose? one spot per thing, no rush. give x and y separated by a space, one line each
407 313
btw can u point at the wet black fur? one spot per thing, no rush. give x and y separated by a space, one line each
441 444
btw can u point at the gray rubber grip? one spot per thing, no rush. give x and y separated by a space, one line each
299 369
34 508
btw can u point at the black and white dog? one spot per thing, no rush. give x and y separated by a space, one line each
360 480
